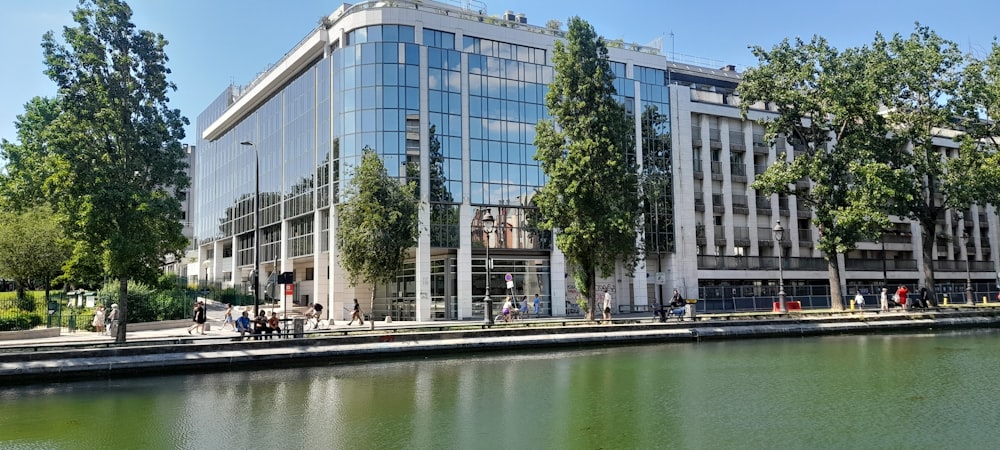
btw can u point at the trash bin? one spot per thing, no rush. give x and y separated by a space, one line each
689 309
298 327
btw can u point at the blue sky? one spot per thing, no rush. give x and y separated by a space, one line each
217 42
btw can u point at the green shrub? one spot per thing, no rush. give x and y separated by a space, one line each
14 320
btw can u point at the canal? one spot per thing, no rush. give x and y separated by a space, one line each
932 390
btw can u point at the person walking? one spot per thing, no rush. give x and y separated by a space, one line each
356 314
111 320
925 297
98 321
198 317
901 292
859 300
606 309
507 306
229 317
884 300
538 305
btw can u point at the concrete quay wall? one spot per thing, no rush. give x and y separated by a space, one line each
165 356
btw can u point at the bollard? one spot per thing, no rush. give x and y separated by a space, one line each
984 300
945 300
852 305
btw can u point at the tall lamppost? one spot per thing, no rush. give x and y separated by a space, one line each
779 233
969 300
256 227
488 223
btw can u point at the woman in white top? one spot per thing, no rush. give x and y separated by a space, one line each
98 322
859 301
606 309
884 300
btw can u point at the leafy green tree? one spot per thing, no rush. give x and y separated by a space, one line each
924 73
828 103
33 248
27 170
114 148
377 224
977 104
591 196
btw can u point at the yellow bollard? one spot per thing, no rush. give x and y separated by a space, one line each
984 300
852 305
946 300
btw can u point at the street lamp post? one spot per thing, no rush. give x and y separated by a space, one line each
488 223
779 233
256 228
969 300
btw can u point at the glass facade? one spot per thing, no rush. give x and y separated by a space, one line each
364 89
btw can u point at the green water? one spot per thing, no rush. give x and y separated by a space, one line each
884 391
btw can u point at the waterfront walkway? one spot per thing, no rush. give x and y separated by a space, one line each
173 350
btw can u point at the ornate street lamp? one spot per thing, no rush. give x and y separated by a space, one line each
255 277
488 227
969 299
779 233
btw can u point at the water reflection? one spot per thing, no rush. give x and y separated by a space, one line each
920 391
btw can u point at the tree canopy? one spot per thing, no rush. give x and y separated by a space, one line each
106 154
591 196
33 247
377 223
828 108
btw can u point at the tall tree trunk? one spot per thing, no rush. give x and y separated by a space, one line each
928 251
836 296
122 308
591 292
371 310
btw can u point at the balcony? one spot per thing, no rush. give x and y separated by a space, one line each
715 138
696 136
759 263
763 203
717 204
741 236
759 146
875 265
740 205
736 142
720 236
717 170
699 173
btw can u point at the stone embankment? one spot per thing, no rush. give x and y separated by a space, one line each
25 362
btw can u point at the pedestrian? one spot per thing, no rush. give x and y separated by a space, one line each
507 306
676 305
925 297
229 317
859 300
538 305
98 321
243 324
901 292
356 314
524 307
111 320
194 318
607 306
884 300
274 324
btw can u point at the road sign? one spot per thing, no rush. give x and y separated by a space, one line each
508 277
661 278
510 284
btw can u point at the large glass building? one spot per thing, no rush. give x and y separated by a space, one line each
449 97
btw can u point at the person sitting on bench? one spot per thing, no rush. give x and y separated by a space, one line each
243 325
676 305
